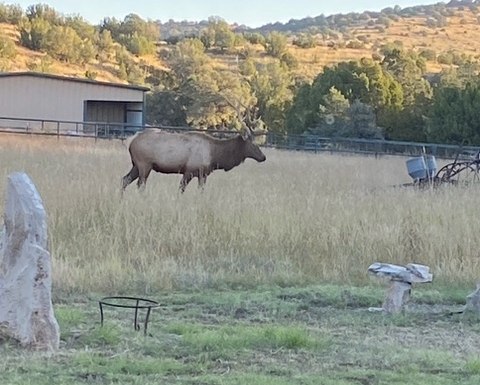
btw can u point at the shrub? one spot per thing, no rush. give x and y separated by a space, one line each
355 44
428 54
290 60
305 41
7 48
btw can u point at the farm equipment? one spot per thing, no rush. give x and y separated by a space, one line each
423 170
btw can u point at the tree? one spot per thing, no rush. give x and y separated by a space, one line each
454 116
122 71
408 69
104 44
197 86
365 81
218 33
64 44
255 38
207 37
133 23
166 108
87 52
33 33
302 113
225 38
128 69
85 30
187 58
276 44
10 14
271 85
193 82
138 36
340 118
459 76
111 24
332 115
45 12
138 44
363 122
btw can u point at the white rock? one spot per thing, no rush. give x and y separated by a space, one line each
26 311
2 241
473 300
413 273
401 280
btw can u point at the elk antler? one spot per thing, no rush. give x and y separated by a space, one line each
241 117
252 122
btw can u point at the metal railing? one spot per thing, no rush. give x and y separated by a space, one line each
68 128
317 144
309 143
97 130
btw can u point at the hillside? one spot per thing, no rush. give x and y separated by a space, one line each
441 29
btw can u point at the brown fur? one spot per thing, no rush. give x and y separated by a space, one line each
193 154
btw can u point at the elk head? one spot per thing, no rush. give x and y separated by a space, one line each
248 125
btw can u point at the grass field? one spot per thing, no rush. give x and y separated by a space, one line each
262 276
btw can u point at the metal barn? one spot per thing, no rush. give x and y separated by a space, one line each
37 96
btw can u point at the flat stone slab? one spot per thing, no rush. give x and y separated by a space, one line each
401 280
412 273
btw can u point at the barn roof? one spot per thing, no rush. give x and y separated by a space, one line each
72 79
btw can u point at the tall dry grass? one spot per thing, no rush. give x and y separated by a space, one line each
297 218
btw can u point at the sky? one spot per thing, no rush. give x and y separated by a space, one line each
253 13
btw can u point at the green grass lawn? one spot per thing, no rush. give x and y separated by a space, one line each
270 335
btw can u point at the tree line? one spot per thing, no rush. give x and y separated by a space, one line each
389 97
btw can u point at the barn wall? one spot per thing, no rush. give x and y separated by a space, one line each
34 97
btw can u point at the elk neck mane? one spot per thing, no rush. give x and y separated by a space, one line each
227 153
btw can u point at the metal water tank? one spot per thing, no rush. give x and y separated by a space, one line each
431 164
417 168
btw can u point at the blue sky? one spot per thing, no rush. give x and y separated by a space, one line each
250 12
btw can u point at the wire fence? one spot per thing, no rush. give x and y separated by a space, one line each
309 143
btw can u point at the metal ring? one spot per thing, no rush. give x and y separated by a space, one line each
150 304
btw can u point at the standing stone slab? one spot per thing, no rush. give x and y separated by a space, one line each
26 311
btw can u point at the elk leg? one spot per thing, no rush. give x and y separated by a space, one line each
202 179
130 177
185 181
142 178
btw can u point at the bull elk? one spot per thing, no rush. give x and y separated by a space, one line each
193 154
